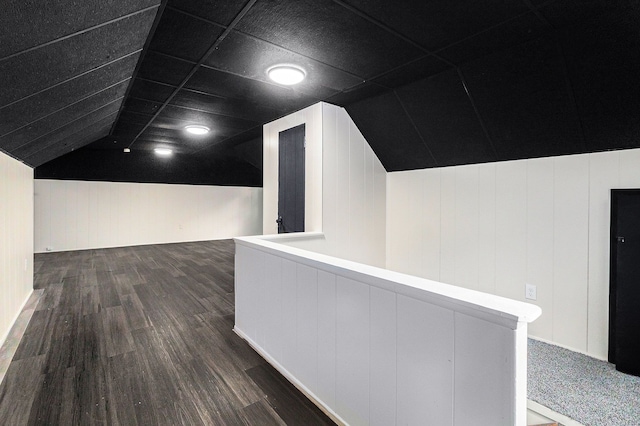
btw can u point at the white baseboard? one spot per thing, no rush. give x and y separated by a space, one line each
291 378
561 419
567 348
15 318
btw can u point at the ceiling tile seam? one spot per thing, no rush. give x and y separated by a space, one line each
399 67
177 58
463 81
415 127
199 18
78 143
194 109
536 12
309 58
106 64
152 30
86 30
68 123
71 135
462 40
226 139
65 107
288 89
138 113
391 31
155 81
248 130
214 46
571 92
177 120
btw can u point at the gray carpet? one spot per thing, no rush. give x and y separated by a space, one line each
585 389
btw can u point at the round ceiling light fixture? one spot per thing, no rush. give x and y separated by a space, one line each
197 129
163 152
286 74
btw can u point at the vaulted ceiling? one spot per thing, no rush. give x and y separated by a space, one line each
428 82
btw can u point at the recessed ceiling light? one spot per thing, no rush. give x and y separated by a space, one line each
286 74
164 152
127 150
196 129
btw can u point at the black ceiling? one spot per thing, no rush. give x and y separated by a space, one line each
429 83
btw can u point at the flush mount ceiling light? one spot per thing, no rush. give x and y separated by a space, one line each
286 74
163 152
127 150
197 129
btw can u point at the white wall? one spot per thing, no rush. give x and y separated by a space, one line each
375 347
16 240
494 227
74 215
348 186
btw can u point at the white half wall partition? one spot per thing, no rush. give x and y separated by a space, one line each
77 215
376 347
16 240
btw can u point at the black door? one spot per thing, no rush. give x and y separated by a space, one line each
291 180
624 292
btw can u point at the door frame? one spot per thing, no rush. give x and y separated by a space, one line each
613 267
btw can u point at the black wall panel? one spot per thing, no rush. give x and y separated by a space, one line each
445 118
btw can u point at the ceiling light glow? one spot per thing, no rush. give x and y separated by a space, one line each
286 74
196 129
127 150
164 152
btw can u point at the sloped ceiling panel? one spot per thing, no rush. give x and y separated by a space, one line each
66 67
429 84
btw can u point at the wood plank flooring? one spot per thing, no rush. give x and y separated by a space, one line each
143 336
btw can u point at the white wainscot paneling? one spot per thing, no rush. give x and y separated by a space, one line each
425 357
374 347
540 241
604 175
571 248
75 215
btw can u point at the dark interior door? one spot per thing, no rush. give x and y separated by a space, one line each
624 294
291 180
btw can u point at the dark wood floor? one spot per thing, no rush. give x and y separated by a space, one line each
143 335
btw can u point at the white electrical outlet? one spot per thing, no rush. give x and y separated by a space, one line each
530 292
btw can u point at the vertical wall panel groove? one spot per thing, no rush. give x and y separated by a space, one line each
544 221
